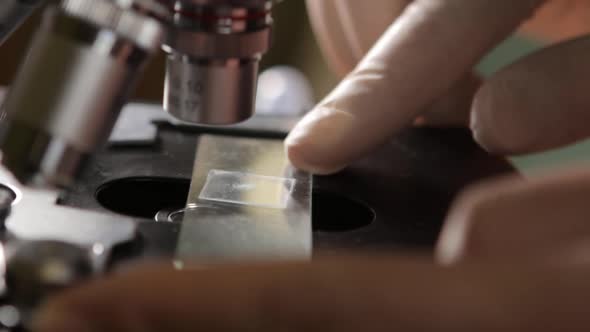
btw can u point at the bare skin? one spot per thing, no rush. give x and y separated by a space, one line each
513 255
559 20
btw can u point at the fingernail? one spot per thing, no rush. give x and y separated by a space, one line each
475 127
480 110
52 320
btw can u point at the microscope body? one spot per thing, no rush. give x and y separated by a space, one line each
82 65
213 56
122 207
88 54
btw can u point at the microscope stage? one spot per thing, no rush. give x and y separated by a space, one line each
395 199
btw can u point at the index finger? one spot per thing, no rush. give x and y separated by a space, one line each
429 48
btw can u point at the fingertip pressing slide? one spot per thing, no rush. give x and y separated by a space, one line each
319 142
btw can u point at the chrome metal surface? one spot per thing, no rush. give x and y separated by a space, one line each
210 92
37 270
214 50
244 3
214 232
13 13
84 61
119 16
36 216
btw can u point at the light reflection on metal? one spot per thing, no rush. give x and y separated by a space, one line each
37 217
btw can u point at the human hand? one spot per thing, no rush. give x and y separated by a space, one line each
421 70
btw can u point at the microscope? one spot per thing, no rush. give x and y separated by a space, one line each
87 56
93 183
